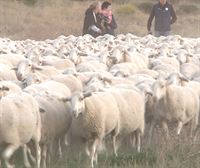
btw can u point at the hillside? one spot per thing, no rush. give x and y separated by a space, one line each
49 19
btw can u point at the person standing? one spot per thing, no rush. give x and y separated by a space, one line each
109 23
164 16
92 21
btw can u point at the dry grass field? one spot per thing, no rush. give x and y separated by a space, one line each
51 18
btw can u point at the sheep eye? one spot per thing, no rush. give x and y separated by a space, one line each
81 98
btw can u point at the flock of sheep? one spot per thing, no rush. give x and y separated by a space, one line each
85 90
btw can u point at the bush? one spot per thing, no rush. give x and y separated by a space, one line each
188 8
29 2
126 9
145 7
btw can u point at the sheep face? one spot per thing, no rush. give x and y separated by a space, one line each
23 69
77 104
159 90
3 90
177 79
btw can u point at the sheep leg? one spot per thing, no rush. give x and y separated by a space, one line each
87 151
137 140
193 129
31 156
94 150
25 156
151 131
38 153
49 154
96 158
60 148
165 127
132 140
179 127
7 153
114 145
44 156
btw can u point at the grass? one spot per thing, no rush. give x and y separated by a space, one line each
177 152
126 9
188 8
145 7
49 19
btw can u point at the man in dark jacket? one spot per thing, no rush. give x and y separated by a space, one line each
164 16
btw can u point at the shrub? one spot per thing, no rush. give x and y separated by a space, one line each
188 8
29 2
126 9
145 6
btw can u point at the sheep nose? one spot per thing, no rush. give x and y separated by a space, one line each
19 76
75 114
114 60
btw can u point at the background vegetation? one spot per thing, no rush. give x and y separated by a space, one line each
42 19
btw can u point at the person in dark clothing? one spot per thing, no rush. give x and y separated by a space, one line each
164 16
92 20
109 23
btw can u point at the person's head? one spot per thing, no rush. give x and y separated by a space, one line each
105 5
96 6
162 2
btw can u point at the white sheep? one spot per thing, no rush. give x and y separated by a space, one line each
20 123
8 87
92 119
55 120
171 103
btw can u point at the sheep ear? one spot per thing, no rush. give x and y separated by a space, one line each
5 88
163 83
36 67
107 80
14 68
148 92
75 74
183 78
41 110
67 99
87 94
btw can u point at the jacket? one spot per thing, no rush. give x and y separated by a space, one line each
164 17
91 19
110 27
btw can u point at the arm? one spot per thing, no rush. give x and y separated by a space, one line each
173 14
150 20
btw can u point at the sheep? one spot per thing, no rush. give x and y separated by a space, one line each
127 67
50 86
12 59
179 79
131 104
91 66
6 73
55 120
26 67
189 69
73 83
19 111
8 87
92 119
60 64
171 103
